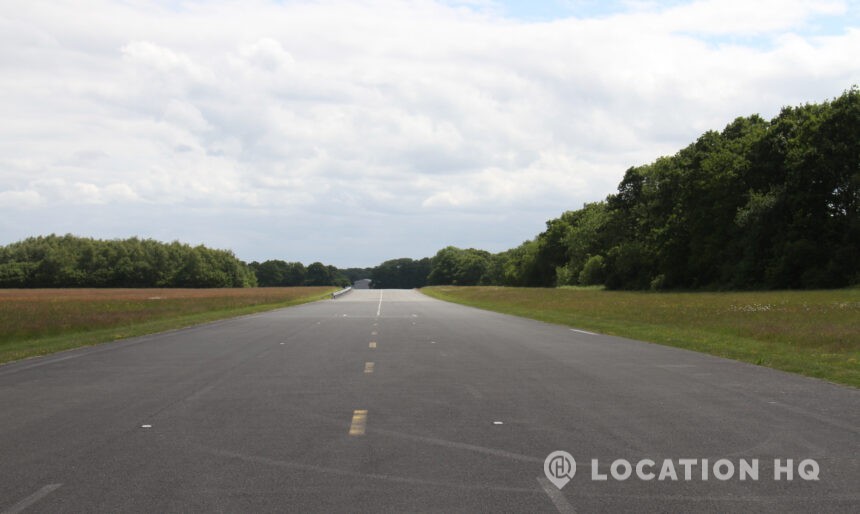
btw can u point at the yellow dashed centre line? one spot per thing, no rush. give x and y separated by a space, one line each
372 344
359 422
368 367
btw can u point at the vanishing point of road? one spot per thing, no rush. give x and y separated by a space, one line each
389 401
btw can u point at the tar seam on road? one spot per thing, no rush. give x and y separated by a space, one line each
33 498
558 499
359 422
461 446
374 476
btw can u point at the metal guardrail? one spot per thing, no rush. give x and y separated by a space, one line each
342 292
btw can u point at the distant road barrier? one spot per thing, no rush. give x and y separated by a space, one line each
340 293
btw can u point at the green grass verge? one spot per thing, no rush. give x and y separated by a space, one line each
129 318
813 333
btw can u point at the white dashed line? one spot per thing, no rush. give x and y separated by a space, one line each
583 332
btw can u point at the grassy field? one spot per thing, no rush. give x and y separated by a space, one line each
814 333
41 321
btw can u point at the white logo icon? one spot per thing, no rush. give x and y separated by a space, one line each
559 468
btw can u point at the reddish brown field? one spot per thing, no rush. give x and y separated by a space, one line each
38 321
265 293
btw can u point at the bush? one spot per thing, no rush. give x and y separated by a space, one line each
593 272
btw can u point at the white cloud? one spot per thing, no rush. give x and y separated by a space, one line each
186 115
21 199
305 116
164 61
267 54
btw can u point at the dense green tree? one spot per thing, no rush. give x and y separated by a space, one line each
444 266
587 234
402 273
317 274
337 278
270 273
456 266
294 274
593 272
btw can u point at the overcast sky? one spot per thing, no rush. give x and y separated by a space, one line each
353 132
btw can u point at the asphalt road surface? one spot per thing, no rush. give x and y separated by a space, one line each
388 401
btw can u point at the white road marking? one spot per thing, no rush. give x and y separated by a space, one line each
379 309
555 495
498 422
33 498
145 426
583 332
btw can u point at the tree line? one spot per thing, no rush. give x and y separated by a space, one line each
69 261
760 205
278 273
